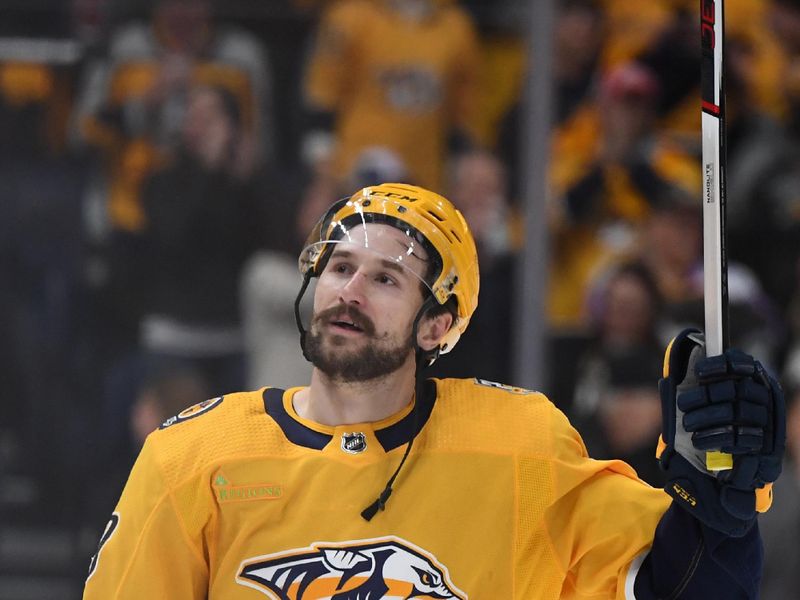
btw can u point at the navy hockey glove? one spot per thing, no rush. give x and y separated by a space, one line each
725 403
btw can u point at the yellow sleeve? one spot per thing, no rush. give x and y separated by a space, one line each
146 551
602 520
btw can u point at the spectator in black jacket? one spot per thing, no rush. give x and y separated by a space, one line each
179 278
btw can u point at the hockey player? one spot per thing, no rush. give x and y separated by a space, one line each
272 493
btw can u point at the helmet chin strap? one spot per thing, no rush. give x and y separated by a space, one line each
297 318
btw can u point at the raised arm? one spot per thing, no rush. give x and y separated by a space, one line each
707 545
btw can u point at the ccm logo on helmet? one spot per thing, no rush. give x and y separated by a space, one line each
389 568
397 196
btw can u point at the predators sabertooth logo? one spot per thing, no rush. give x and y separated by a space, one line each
388 568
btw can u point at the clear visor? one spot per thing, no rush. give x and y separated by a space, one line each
389 248
396 242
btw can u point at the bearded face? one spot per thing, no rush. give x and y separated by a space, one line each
335 355
365 303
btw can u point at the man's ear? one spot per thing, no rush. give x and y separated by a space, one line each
431 330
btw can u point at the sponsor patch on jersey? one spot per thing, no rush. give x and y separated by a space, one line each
503 386
192 412
389 568
225 491
108 532
245 493
354 443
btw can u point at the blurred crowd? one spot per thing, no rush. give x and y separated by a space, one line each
161 162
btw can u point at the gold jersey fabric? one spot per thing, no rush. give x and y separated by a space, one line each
240 498
396 82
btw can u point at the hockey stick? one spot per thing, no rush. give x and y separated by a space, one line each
715 268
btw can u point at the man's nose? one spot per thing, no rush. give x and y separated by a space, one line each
354 290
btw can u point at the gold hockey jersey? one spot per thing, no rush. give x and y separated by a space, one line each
239 498
395 82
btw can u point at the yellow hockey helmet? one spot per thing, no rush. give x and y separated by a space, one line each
427 219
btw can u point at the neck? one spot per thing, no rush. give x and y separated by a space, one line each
332 402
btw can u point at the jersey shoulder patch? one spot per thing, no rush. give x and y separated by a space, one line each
193 411
230 425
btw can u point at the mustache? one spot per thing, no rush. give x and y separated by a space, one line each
358 318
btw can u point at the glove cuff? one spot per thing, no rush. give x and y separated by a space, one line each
701 496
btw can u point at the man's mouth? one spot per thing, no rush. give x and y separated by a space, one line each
347 325
345 320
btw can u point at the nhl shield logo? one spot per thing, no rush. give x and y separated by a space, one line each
354 443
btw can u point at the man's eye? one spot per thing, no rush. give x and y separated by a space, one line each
385 279
341 268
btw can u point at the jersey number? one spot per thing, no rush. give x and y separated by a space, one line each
111 527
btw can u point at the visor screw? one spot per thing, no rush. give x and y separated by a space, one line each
401 209
366 203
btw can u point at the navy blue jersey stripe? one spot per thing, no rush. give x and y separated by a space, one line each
390 437
399 433
297 433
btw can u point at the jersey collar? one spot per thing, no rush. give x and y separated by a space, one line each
391 433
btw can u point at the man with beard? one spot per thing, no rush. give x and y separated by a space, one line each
267 493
